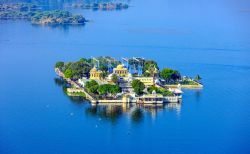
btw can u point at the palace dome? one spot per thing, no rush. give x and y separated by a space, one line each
119 66
93 69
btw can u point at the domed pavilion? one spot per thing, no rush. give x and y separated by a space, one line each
121 71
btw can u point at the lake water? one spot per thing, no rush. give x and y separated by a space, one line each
194 37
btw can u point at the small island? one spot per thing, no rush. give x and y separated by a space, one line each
34 13
131 80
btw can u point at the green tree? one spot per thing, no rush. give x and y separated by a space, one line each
108 89
138 86
59 65
93 89
103 89
114 78
166 73
90 83
148 65
68 73
83 60
80 69
103 74
162 91
176 75
165 92
169 74
153 88
115 89
152 70
103 68
91 86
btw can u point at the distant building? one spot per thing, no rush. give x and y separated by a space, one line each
121 71
95 74
148 81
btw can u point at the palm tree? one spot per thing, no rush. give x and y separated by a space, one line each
152 70
103 75
115 78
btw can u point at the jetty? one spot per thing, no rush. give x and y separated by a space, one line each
185 86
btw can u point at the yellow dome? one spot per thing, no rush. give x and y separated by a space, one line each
119 66
93 69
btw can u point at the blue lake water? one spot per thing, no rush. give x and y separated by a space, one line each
194 37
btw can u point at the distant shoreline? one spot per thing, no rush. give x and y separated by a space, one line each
32 13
